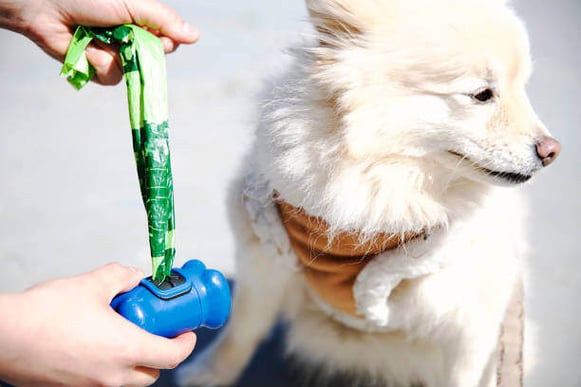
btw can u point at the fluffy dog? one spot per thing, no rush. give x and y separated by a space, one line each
376 213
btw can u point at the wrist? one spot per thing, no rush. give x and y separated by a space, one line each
10 333
11 15
14 313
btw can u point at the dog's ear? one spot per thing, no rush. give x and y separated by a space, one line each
336 20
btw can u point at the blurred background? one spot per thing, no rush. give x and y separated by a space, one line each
69 199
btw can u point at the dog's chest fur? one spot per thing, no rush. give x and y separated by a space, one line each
463 299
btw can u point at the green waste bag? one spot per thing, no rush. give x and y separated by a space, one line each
145 75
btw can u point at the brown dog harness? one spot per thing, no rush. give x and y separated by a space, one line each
331 266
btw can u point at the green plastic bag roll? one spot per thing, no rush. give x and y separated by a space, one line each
145 75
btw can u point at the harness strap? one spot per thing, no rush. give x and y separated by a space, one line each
509 367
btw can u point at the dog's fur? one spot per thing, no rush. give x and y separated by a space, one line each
377 127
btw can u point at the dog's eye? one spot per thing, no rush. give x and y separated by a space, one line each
484 95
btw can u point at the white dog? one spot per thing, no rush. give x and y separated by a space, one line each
376 213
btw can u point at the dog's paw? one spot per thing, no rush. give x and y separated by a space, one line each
206 371
204 374
197 374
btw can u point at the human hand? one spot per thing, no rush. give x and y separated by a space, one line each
51 23
63 332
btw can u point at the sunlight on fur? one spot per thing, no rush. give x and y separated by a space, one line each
396 117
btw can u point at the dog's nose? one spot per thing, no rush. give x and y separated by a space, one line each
548 149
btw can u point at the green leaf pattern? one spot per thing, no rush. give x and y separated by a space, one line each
145 76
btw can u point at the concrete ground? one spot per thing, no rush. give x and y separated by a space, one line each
69 199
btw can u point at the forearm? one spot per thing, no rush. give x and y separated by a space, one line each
12 332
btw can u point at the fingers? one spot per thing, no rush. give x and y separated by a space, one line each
142 376
162 18
115 278
169 45
107 64
162 353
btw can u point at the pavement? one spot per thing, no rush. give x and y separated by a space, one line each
69 199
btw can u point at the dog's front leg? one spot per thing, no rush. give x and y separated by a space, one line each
258 295
384 273
471 360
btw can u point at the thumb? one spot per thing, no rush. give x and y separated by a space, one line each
106 62
162 18
115 278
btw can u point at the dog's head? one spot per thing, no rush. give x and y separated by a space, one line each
438 81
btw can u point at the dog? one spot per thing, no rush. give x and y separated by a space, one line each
377 212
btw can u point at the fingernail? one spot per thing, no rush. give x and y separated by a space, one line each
191 31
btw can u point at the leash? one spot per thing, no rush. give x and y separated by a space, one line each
509 366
